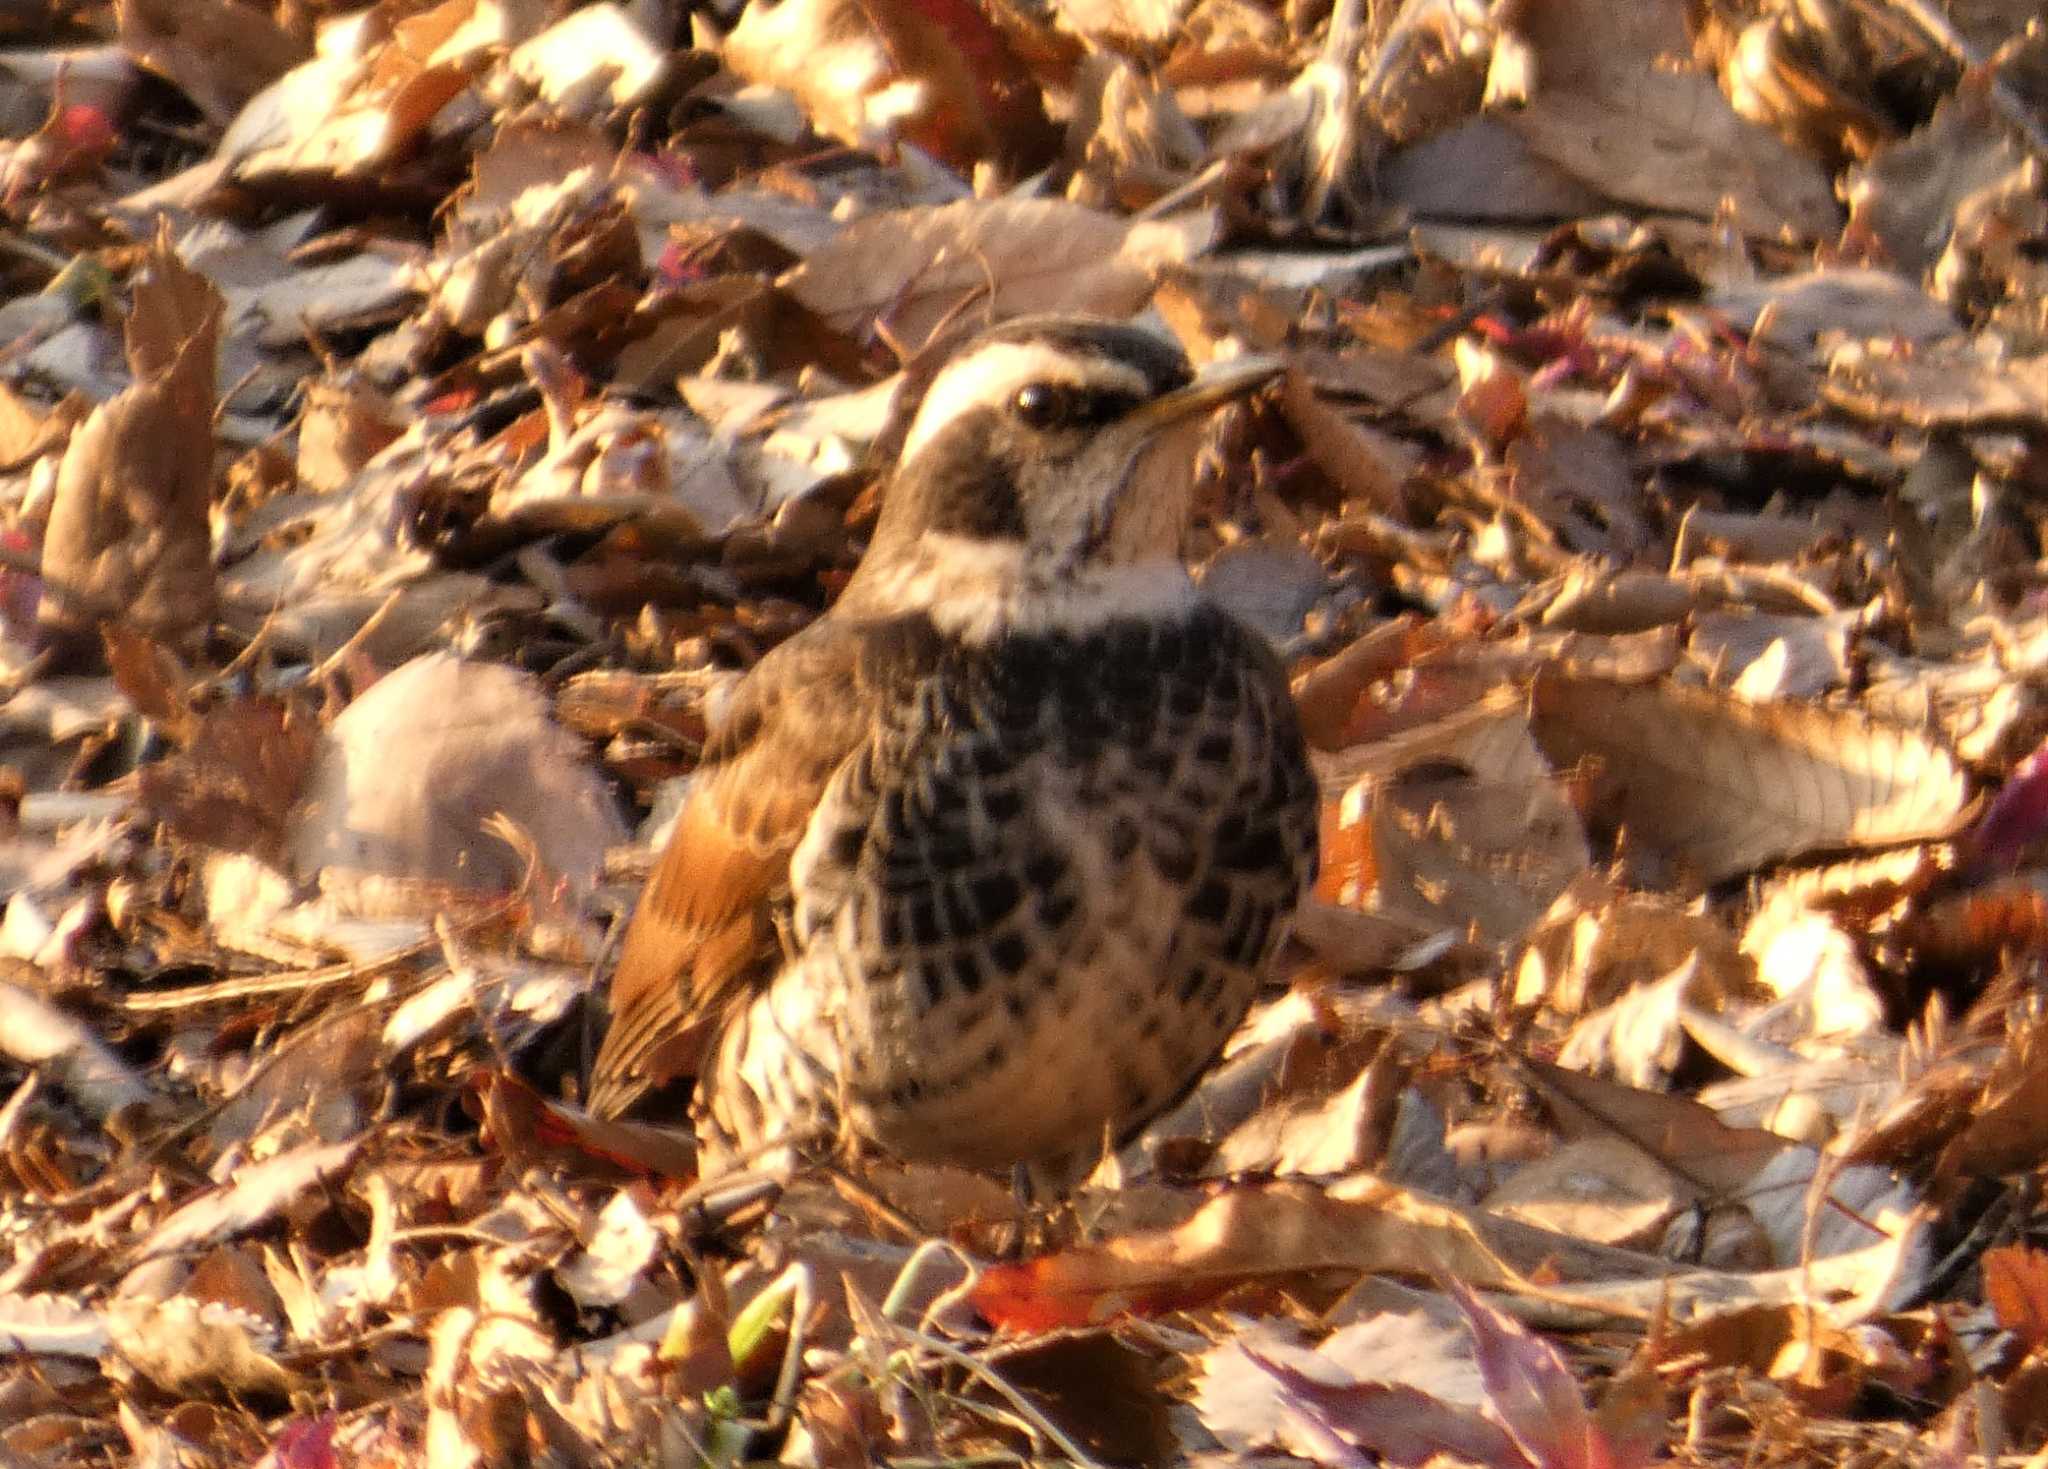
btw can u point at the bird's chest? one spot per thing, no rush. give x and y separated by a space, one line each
991 955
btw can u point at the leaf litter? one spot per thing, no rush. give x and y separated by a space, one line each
416 415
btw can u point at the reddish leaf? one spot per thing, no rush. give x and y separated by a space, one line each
2016 1284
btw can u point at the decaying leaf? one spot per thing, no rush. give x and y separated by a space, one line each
1715 788
1461 822
232 786
129 537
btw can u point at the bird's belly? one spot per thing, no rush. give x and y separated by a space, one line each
1053 1061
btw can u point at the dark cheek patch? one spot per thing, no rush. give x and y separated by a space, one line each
968 491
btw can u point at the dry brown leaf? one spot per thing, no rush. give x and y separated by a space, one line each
1403 1388
245 762
915 269
1596 944
29 430
1597 600
1347 454
1255 1231
1584 485
37 1035
156 683
129 535
184 1347
1786 73
257 1193
1600 1189
594 63
1714 788
345 423
1610 112
2007 1126
1908 196
1129 142
350 115
220 53
1685 1138
935 73
1099 1389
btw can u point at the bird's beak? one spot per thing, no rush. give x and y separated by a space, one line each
1215 384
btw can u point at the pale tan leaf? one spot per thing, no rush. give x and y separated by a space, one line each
994 258
1595 1188
255 1195
1609 112
1716 787
33 1032
184 1347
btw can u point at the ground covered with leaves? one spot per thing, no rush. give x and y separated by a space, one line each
412 417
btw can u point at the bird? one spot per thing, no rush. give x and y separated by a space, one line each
984 865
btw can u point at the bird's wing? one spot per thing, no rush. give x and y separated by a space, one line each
703 932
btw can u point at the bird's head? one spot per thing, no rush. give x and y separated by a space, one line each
1040 462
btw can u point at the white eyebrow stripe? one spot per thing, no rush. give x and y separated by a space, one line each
991 375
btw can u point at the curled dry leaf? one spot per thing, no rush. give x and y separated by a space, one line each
353 109
52 1325
256 1195
128 534
1262 1231
185 1347
1458 824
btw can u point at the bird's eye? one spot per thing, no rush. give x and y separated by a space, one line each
1044 405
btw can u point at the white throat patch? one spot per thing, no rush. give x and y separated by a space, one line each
977 590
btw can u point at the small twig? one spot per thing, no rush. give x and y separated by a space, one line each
1210 175
989 1377
356 639
298 981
